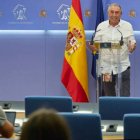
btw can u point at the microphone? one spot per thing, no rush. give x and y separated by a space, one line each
121 41
91 41
92 38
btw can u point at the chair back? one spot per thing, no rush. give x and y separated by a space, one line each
131 126
59 103
84 126
114 108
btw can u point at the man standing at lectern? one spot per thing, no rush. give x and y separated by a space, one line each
114 63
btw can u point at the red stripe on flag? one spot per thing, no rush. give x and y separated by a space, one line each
76 6
72 84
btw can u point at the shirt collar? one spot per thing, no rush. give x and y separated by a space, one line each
119 24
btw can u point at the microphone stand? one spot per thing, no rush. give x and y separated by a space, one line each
119 82
98 75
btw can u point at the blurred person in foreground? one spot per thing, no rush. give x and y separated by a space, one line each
45 124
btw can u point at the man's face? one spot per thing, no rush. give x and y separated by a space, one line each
114 14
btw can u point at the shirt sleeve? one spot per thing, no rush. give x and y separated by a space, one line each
131 37
2 117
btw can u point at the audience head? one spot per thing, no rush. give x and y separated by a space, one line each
45 124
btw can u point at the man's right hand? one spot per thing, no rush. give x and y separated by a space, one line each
92 48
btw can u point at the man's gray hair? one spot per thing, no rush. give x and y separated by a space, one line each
114 4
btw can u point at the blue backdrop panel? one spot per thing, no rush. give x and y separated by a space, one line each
50 15
31 61
58 14
22 15
22 65
43 15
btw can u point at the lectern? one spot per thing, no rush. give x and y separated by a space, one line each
108 56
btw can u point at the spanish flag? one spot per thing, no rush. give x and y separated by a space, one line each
74 72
